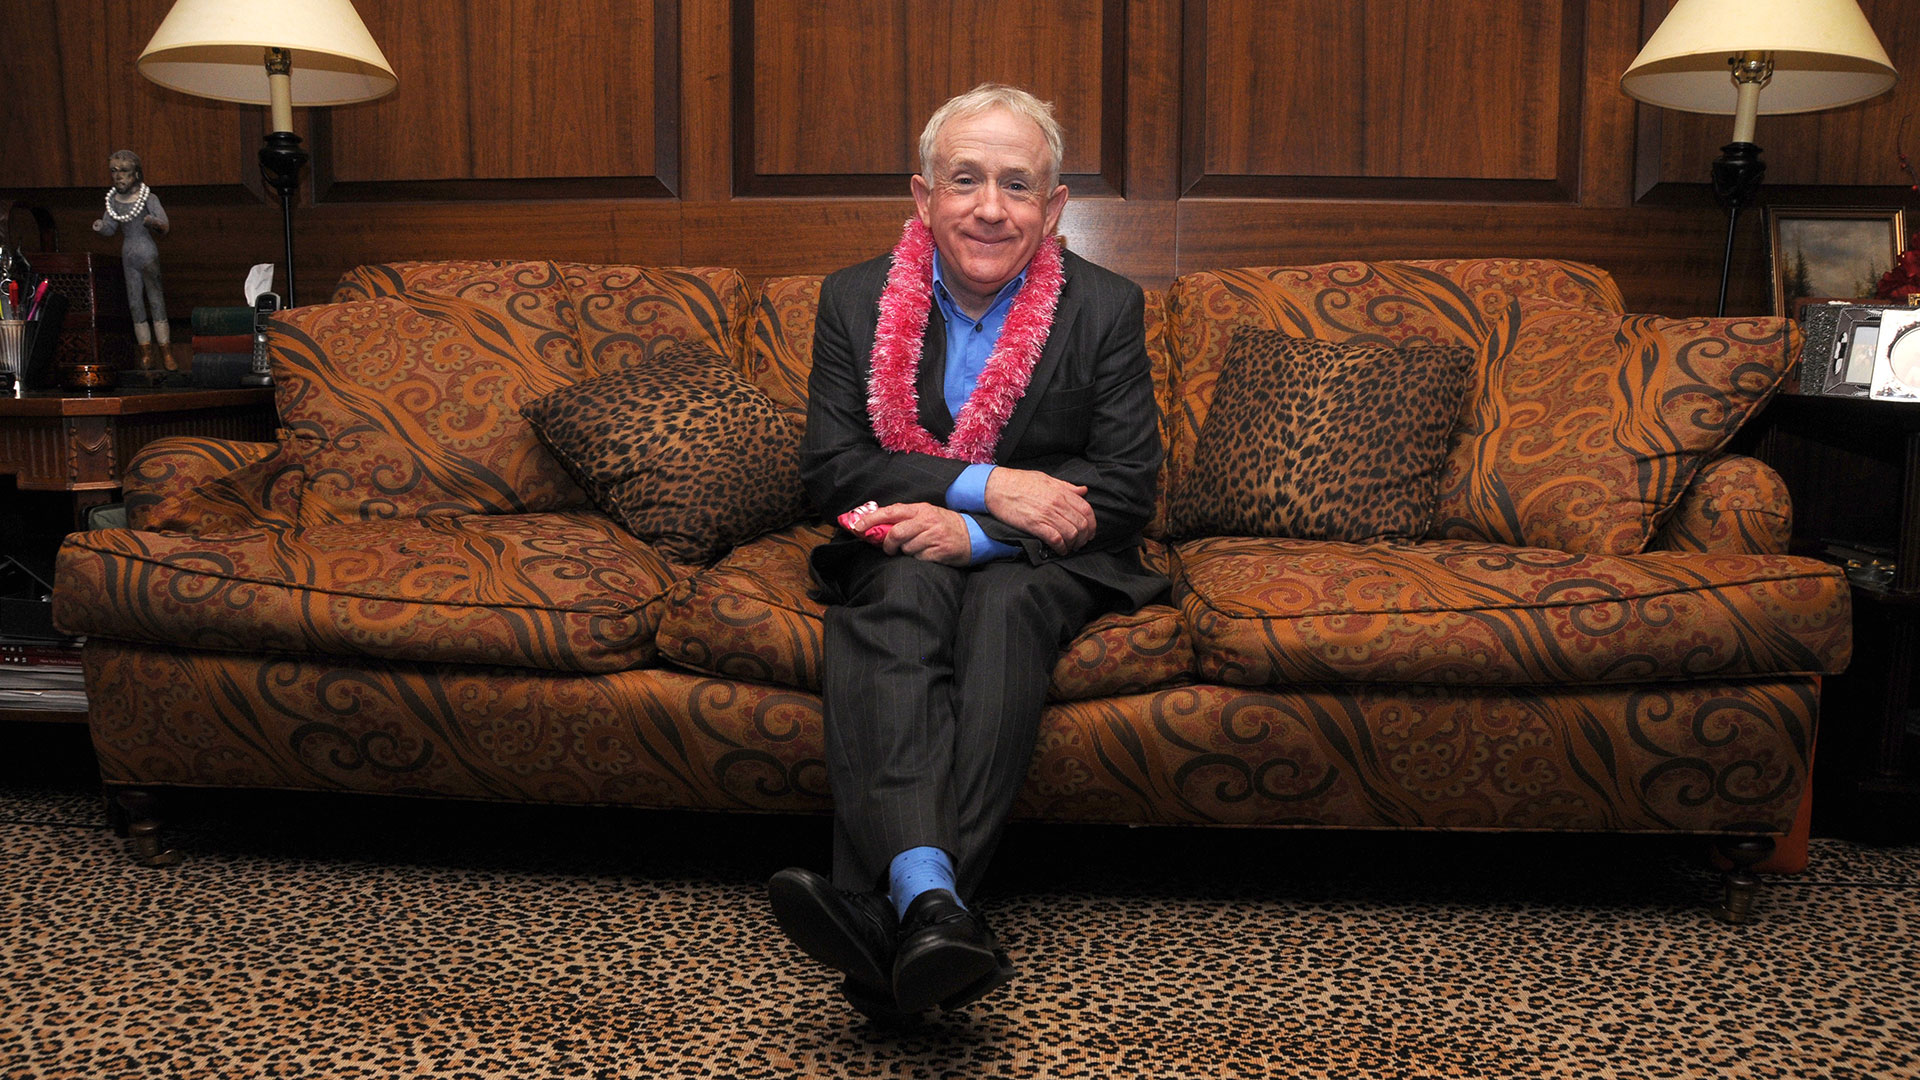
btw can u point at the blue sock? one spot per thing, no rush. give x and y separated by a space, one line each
918 870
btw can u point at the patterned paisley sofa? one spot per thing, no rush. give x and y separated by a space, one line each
406 594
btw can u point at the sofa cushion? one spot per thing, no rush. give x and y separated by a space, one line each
751 617
1269 612
778 352
1583 426
630 314
685 453
569 591
1321 440
1585 429
410 404
1735 504
162 484
624 313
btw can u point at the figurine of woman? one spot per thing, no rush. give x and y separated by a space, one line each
133 211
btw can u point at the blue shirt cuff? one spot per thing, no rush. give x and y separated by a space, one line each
982 548
968 492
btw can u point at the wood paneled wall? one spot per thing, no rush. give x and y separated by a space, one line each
777 135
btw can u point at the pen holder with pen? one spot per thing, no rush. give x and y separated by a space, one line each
28 347
13 352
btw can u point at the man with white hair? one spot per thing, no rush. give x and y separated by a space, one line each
982 421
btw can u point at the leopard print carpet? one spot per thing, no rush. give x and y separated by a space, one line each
351 938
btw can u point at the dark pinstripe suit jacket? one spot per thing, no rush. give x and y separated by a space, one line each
1088 417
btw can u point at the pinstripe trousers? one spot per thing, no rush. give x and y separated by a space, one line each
934 678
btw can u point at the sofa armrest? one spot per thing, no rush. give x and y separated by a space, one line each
169 466
1736 504
204 486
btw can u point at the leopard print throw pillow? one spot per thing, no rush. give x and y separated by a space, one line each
681 450
1322 441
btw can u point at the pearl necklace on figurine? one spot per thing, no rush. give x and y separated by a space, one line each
139 206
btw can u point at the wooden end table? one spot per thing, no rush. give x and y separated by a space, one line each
1853 468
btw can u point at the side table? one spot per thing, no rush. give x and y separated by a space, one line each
67 453
1853 468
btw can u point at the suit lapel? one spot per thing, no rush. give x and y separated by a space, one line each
1058 335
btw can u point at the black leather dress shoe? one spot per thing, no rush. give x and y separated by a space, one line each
876 1004
945 954
852 933
1002 973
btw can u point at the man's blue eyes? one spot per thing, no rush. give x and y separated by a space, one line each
968 181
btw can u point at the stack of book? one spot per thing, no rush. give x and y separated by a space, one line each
222 345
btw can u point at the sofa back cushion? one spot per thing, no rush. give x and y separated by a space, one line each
403 397
409 403
777 355
442 277
624 313
1582 425
1586 429
630 314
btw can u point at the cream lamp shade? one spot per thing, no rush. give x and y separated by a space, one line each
1824 55
213 49
1717 56
278 53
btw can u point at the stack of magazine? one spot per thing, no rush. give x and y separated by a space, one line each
38 674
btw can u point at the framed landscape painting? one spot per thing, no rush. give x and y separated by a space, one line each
1834 252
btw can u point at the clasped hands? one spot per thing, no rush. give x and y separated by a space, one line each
1034 502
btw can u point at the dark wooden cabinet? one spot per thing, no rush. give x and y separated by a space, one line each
1853 468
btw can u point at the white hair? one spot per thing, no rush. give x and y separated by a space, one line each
985 98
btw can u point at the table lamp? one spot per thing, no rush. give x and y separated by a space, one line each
281 53
1716 56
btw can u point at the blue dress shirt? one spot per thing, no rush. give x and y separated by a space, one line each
969 342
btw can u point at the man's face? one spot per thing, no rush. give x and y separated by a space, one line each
987 207
122 174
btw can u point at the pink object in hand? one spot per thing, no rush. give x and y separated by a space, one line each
850 521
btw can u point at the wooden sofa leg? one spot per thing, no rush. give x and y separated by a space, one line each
1742 887
137 818
116 814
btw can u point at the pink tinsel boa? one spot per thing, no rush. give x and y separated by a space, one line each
905 306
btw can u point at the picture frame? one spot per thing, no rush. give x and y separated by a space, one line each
1836 252
1840 348
1819 335
1896 360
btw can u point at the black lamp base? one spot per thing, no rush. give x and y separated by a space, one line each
280 162
1736 180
